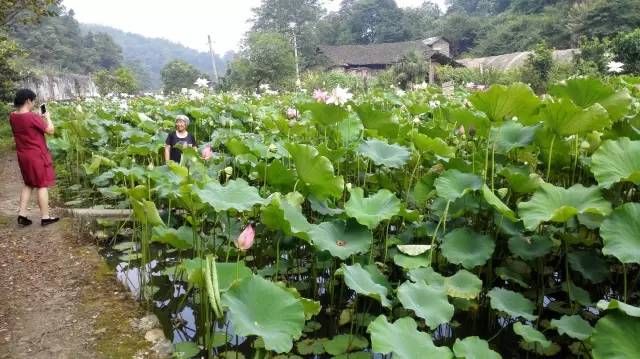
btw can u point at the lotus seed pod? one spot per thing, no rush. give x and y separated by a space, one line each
228 171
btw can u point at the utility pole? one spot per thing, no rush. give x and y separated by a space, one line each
292 25
213 61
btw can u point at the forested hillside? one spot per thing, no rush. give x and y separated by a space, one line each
150 55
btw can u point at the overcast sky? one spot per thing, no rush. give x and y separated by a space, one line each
185 21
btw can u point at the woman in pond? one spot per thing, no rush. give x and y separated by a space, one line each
179 137
35 161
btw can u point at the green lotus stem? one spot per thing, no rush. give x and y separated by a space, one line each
553 141
277 259
566 270
169 213
435 232
624 278
238 266
413 174
575 163
386 239
493 166
486 164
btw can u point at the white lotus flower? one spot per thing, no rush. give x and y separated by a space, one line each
434 103
195 95
400 93
417 121
339 96
470 85
184 90
615 67
422 86
265 87
273 147
201 82
124 106
159 97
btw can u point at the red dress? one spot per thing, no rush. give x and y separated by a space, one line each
34 158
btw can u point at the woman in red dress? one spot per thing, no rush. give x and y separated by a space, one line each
34 158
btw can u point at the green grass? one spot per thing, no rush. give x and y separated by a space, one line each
6 137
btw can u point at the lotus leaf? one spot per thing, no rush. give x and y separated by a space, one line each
591 265
474 348
372 210
410 262
236 194
427 275
616 337
404 340
413 249
454 184
436 145
384 154
621 233
345 343
531 335
512 135
617 161
501 103
497 204
146 212
587 91
277 317
286 215
315 172
564 118
465 247
363 282
463 284
573 326
341 239
182 238
324 114
529 248
624 307
512 303
185 350
311 346
557 204
428 302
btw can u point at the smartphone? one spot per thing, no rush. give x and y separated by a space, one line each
43 109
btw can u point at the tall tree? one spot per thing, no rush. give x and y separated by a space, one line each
15 11
372 21
178 74
287 17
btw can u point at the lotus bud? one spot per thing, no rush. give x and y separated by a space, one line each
273 147
472 131
206 152
228 170
460 131
502 192
292 123
292 113
150 167
245 239
437 168
417 121
349 186
585 145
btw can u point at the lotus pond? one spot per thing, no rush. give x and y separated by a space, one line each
410 225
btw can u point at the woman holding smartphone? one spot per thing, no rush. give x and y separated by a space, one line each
36 164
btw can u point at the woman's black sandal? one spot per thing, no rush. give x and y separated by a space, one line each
24 221
48 221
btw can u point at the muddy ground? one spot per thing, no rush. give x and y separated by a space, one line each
58 298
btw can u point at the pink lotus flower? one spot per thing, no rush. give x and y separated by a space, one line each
292 113
206 152
320 95
245 239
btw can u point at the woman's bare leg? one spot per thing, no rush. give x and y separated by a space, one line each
25 194
43 202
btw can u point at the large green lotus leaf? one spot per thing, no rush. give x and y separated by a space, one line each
436 145
362 282
616 161
557 204
474 348
403 339
512 135
590 264
587 91
379 121
512 303
372 210
531 335
471 120
410 262
236 194
413 249
573 326
500 103
428 276
350 129
529 248
521 180
384 154
454 184
345 343
276 174
468 248
311 346
324 114
182 238
615 304
463 284
341 239
621 233
564 118
146 212
286 216
428 302
315 172
579 295
616 337
497 204
260 307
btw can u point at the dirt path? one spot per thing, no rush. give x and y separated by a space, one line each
58 299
